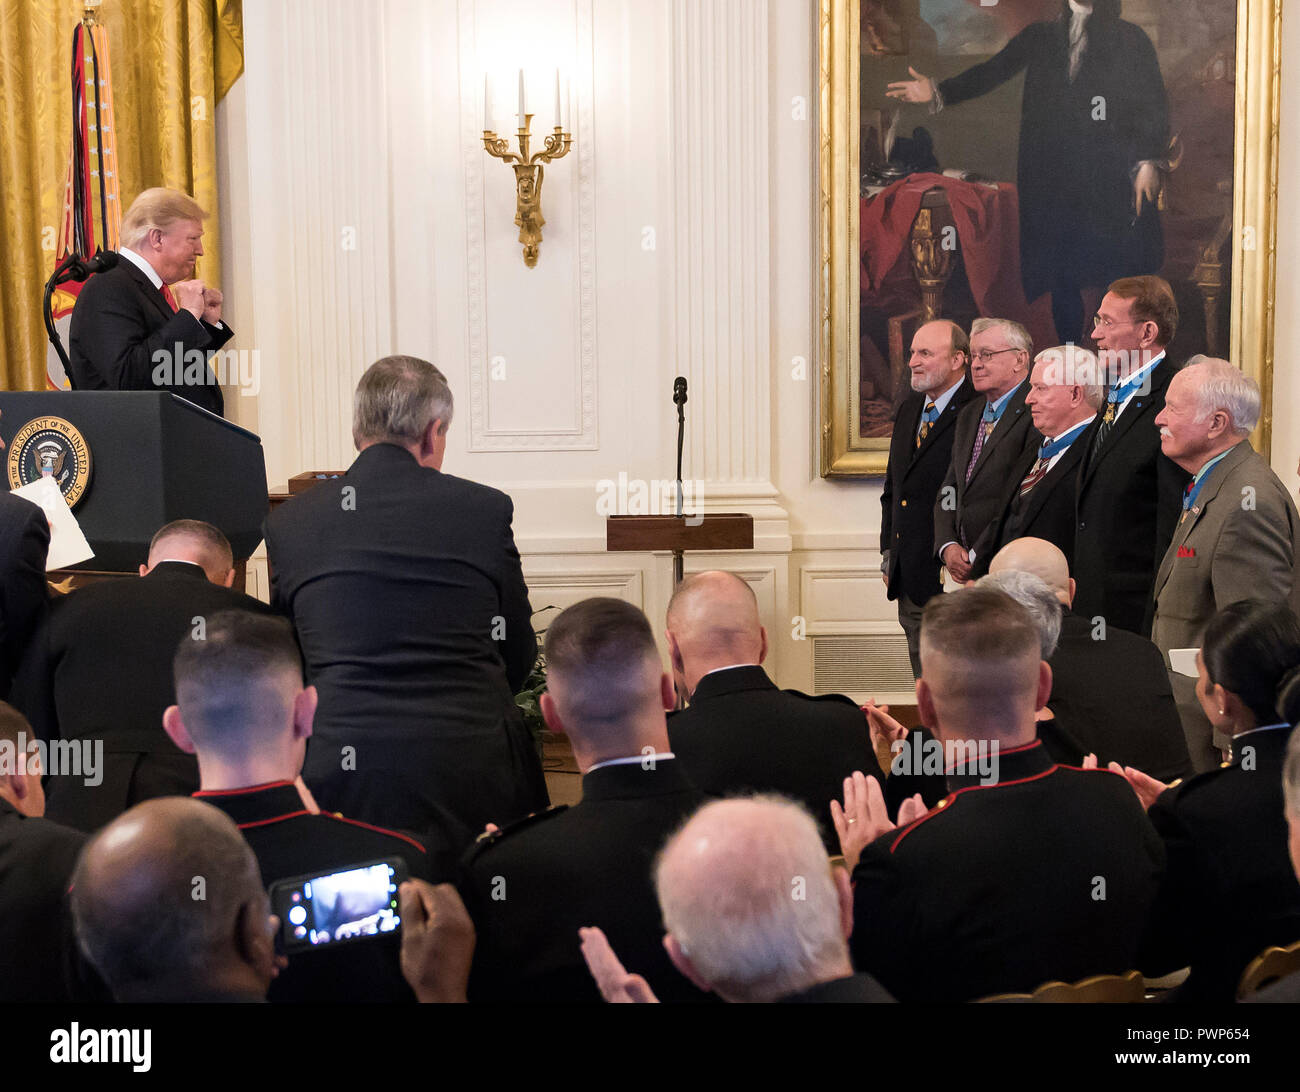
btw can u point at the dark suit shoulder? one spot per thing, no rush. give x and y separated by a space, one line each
830 699
515 834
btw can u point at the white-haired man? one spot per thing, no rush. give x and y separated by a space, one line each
1236 538
146 305
752 909
1065 392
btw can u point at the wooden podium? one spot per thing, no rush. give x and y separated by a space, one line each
721 531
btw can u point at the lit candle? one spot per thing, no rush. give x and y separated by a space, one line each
522 110
487 103
559 120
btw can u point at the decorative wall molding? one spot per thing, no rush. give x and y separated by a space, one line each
722 151
576 174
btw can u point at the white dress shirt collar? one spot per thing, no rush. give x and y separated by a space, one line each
143 265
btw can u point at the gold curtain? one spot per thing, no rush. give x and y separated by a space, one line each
171 60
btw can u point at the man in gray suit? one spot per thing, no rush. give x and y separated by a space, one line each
1236 538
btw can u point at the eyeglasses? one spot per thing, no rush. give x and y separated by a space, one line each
985 355
1102 320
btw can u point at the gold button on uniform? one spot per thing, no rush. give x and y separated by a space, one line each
904 504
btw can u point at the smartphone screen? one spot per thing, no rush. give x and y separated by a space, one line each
321 911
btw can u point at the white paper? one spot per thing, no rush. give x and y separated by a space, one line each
1182 661
68 546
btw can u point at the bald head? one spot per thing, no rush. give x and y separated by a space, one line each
713 622
726 884
1039 558
168 901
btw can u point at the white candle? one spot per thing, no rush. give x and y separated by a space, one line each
522 110
487 103
559 120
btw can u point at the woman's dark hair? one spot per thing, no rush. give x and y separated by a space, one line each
1252 649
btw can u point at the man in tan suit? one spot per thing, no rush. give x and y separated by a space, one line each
1236 538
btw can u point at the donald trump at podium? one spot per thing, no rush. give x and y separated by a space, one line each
143 325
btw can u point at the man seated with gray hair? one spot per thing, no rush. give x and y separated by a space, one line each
753 910
1236 537
407 594
1110 690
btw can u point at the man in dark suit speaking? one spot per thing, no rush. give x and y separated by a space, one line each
408 597
142 325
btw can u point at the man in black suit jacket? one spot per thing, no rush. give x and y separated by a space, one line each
98 672
993 436
1065 393
24 540
241 707
530 887
36 861
142 326
1130 493
408 597
740 733
919 452
1028 871
753 913
1110 689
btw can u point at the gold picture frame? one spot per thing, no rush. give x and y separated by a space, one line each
844 452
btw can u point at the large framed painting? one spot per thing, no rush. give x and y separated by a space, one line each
1011 158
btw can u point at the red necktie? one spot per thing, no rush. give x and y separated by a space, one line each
171 300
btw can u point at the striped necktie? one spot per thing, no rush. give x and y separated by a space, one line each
1036 474
928 418
987 421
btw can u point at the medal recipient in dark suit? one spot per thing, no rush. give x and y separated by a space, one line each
532 886
1065 392
919 452
1128 490
406 590
134 326
993 437
1236 536
742 734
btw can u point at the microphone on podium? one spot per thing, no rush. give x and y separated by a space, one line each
679 400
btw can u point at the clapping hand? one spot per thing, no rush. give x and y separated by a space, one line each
885 732
1146 786
615 984
863 817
